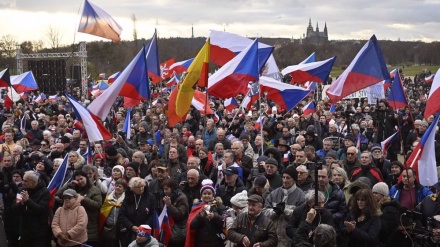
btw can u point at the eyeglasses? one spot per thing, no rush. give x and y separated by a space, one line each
351 153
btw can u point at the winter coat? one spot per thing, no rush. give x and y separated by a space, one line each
152 243
300 214
421 192
71 221
226 192
131 215
373 173
366 232
207 231
178 210
275 180
92 203
34 214
390 220
262 231
306 185
293 197
336 205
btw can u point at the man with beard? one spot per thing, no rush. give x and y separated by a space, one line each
379 160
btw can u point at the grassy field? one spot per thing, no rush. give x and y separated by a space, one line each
407 71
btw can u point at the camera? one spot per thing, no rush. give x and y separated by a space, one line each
314 166
411 217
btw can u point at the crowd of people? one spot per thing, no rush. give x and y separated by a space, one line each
300 180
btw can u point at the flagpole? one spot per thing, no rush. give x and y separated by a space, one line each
261 125
398 121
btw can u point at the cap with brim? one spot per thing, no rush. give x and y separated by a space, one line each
255 198
162 167
231 171
70 192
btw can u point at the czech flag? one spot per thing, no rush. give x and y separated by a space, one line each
127 124
40 98
175 80
24 82
132 82
5 79
199 102
53 97
333 108
102 76
233 78
422 159
313 71
385 144
393 73
230 104
396 96
433 102
310 59
96 21
225 46
366 69
152 56
181 66
312 86
259 123
309 108
92 124
156 226
285 95
113 77
429 79
197 75
58 180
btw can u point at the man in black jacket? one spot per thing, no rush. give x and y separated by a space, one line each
33 207
232 186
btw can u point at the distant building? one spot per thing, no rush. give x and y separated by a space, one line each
315 37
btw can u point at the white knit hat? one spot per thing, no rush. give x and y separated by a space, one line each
240 199
381 188
119 167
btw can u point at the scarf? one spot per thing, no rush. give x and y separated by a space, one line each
109 202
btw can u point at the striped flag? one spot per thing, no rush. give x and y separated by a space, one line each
58 180
127 124
387 143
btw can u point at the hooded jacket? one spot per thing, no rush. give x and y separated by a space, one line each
71 221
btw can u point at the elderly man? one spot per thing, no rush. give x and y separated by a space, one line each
175 167
349 141
33 208
367 169
192 163
379 160
233 185
244 161
243 235
305 181
156 187
191 147
272 174
210 133
192 187
220 138
351 162
281 203
35 133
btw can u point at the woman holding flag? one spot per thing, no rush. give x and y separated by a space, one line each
205 222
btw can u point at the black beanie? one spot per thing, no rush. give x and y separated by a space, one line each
291 171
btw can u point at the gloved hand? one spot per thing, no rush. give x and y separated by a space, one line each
277 210
282 206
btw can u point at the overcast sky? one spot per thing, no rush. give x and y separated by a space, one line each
346 19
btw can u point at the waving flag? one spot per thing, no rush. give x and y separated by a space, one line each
156 226
92 124
233 78
333 108
102 75
230 104
225 46
386 84
433 102
40 98
96 21
429 79
5 79
312 86
24 82
181 66
385 144
285 95
397 97
175 80
310 59
127 124
166 223
313 71
393 73
259 123
165 71
57 180
170 110
53 97
99 88
199 102
422 159
113 77
152 56
309 108
197 75
366 69
132 82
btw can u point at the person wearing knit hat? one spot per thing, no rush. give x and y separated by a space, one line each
291 172
132 170
351 138
120 168
381 188
240 200
111 151
144 238
207 184
260 181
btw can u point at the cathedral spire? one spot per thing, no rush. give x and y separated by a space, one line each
317 28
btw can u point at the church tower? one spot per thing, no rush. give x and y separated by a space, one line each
317 28
309 28
325 29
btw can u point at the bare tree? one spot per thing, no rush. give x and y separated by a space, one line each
54 37
8 46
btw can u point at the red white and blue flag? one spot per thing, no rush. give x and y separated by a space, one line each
40 98
175 80
233 78
24 82
259 123
430 78
393 73
312 86
231 104
385 144
422 159
92 124
127 124
396 96
433 102
313 71
57 180
285 95
309 59
166 223
366 69
165 71
5 78
102 75
96 21
333 108
309 108
53 97
182 66
113 77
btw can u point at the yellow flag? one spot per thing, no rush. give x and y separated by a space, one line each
197 71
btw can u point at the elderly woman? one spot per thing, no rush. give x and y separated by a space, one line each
339 177
69 223
108 222
363 223
137 209
208 220
177 208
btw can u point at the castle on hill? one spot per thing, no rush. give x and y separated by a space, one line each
315 36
